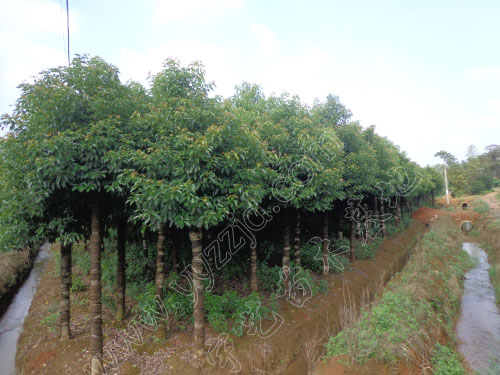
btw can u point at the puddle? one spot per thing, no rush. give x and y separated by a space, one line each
11 323
478 328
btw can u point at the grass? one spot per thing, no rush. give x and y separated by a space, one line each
446 362
481 206
405 322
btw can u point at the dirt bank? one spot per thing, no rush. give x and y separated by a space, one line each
40 352
14 267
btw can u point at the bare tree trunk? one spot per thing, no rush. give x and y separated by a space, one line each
254 281
382 219
120 270
433 199
64 307
95 291
161 332
325 243
352 242
341 235
85 243
296 240
174 248
286 250
396 211
195 236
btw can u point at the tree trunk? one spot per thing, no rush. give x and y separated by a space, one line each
198 294
174 248
85 244
382 219
352 242
64 308
95 292
120 270
433 199
144 246
161 333
325 243
396 211
401 207
341 235
254 281
296 240
286 250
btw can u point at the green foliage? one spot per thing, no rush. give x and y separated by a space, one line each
445 361
81 259
269 277
77 284
367 250
50 321
481 207
410 304
223 311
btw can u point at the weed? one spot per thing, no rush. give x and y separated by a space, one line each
51 321
445 361
481 207
77 284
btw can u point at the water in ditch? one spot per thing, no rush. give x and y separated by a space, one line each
478 328
11 323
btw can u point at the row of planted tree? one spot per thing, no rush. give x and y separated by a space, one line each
87 154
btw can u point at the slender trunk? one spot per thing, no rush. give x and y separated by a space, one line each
174 248
433 199
254 281
195 237
401 207
382 219
86 244
95 292
296 240
64 308
286 251
341 235
120 270
396 211
325 243
352 242
161 333
144 246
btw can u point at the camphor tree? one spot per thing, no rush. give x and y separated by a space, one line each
67 120
199 169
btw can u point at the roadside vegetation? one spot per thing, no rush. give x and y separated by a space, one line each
412 321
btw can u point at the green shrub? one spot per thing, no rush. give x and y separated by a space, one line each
77 284
446 362
366 250
269 277
81 259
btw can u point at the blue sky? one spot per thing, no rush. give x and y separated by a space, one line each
426 73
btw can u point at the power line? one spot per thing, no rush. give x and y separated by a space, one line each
67 28
62 29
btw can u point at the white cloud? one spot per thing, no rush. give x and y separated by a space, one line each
266 38
166 10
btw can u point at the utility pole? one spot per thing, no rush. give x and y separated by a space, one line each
446 187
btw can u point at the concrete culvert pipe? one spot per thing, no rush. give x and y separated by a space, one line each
465 206
466 226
